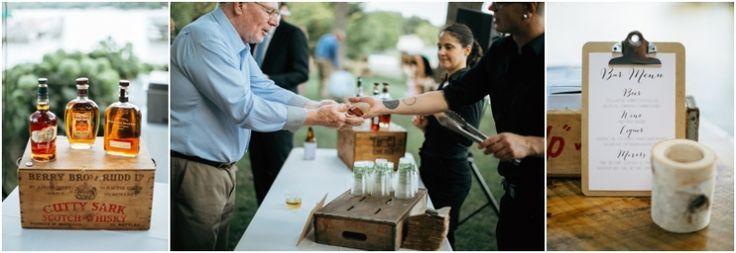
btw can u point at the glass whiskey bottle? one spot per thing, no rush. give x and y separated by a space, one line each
122 125
81 118
375 120
42 125
385 120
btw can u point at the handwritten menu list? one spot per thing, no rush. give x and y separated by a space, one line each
630 108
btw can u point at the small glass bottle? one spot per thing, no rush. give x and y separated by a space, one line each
385 120
122 125
42 125
390 176
381 179
414 174
375 121
81 117
368 174
359 179
359 91
405 182
310 145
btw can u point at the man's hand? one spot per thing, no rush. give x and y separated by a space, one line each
376 106
420 122
331 115
507 146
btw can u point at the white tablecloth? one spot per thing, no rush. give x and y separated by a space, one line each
274 227
154 239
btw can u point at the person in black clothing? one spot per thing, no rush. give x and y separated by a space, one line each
444 167
284 57
512 73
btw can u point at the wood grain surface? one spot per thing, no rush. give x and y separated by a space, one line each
577 222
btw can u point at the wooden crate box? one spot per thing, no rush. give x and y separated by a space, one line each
368 223
563 142
86 189
359 143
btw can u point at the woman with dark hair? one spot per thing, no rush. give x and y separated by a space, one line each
444 167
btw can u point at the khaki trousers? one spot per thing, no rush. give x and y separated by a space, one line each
202 203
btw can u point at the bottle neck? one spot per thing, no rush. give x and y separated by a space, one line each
42 98
123 95
82 91
42 104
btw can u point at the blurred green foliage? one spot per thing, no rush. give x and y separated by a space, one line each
366 32
104 66
184 13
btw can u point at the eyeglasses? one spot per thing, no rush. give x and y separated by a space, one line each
272 12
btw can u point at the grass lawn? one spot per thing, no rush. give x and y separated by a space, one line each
477 233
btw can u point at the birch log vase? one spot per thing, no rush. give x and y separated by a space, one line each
683 185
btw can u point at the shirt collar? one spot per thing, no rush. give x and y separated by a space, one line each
232 36
536 45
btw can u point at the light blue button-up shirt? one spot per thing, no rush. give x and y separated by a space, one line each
218 93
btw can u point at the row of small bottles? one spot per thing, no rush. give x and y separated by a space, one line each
122 126
378 122
379 179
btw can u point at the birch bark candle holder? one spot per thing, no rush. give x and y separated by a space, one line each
682 185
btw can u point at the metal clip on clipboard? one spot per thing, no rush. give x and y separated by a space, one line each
634 49
454 122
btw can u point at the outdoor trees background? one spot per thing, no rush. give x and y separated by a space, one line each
366 32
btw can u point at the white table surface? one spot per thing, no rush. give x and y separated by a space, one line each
154 239
274 227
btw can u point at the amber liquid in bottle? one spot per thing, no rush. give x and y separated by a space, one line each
122 126
385 120
42 125
375 121
81 118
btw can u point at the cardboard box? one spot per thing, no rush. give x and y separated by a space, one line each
360 143
86 189
369 223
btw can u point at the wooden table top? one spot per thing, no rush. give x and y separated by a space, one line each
576 222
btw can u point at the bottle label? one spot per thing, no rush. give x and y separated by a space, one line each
82 125
122 123
120 144
47 134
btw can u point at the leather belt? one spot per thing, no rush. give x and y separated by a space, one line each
219 165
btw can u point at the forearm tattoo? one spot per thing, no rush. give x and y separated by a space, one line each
391 104
410 100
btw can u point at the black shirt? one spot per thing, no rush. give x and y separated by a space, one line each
515 83
444 143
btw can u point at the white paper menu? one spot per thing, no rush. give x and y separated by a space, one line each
630 108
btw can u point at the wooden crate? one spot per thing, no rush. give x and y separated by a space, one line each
564 132
563 143
368 223
86 189
359 143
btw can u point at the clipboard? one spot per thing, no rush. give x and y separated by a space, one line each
625 58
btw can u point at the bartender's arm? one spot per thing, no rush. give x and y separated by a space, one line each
470 88
426 103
